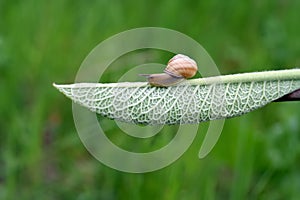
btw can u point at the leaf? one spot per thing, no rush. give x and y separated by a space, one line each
191 102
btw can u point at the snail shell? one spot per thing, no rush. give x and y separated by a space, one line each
181 66
178 69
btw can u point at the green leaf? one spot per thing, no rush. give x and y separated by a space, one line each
193 101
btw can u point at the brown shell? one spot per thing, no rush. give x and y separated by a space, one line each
181 66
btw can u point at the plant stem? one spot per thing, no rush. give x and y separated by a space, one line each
294 96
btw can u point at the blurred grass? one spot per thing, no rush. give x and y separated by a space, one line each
41 156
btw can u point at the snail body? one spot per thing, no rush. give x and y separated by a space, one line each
163 79
179 68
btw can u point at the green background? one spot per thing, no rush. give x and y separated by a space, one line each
41 155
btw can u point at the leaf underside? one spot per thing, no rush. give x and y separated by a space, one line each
181 104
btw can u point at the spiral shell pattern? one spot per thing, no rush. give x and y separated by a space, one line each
181 66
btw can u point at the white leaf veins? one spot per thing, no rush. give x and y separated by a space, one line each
181 104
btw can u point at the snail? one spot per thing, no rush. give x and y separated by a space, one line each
179 68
